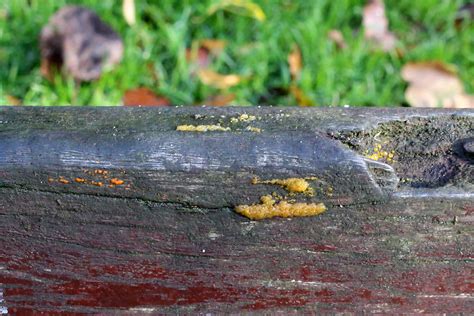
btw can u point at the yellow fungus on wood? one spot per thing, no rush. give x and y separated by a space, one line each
253 129
269 208
202 128
379 154
243 118
292 185
116 181
80 180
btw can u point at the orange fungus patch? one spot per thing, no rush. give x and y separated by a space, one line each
269 208
116 181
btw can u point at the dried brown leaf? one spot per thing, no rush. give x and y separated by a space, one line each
144 97
338 39
375 25
220 100
301 98
213 46
11 100
200 55
434 84
295 62
214 79
199 58
49 69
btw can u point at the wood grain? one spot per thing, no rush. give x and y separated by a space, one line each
168 240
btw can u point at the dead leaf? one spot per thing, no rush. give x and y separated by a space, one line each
220 100
242 7
214 79
338 39
213 46
128 10
199 58
46 69
295 62
301 98
375 25
49 69
143 97
200 53
434 84
11 100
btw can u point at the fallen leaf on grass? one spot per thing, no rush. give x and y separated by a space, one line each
143 97
301 98
49 69
11 100
213 46
242 7
214 79
434 84
376 25
201 57
295 62
338 39
128 10
220 100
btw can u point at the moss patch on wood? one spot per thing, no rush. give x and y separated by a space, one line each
426 150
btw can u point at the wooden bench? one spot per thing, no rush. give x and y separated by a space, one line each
134 210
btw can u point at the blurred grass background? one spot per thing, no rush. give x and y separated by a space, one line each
156 46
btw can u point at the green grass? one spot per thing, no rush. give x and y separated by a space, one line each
256 50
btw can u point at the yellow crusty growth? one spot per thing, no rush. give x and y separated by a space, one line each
202 128
253 129
380 154
293 185
243 118
269 208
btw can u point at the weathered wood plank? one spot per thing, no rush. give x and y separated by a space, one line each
170 241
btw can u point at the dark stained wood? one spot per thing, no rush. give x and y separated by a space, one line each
397 236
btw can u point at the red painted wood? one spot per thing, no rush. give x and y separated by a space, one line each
122 257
